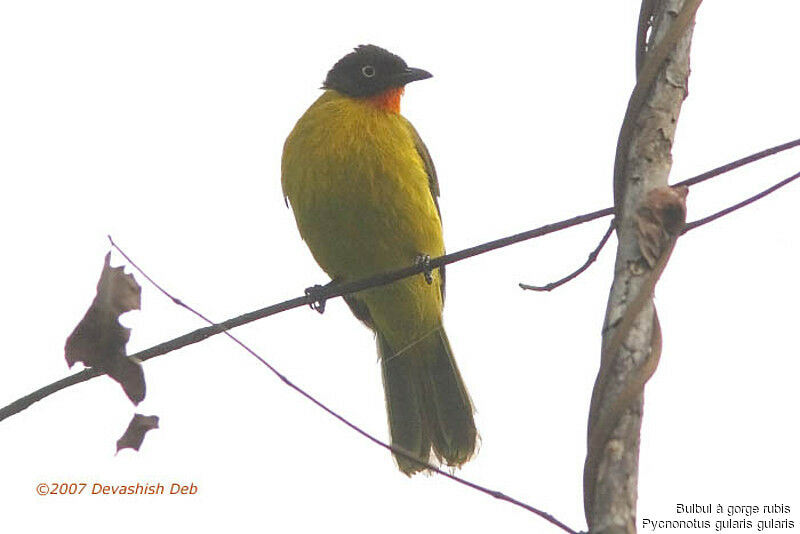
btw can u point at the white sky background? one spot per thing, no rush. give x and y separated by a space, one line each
162 124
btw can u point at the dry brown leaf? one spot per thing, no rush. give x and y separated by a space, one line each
130 375
659 220
99 340
137 428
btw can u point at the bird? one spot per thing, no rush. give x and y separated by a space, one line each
364 193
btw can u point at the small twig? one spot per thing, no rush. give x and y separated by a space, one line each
752 158
496 494
705 220
592 258
722 169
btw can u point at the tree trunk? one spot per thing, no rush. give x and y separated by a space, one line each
631 335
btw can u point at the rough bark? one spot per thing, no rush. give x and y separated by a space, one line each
631 335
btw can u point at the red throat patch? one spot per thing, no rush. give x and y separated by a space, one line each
389 100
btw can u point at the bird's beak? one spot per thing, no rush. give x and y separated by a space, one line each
411 75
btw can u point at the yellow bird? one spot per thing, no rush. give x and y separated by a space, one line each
363 190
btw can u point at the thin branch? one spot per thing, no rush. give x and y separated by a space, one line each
592 258
326 292
204 333
728 167
705 220
722 169
752 158
329 292
496 494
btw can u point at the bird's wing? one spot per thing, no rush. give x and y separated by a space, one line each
430 169
433 181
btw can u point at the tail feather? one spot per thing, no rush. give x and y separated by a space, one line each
448 406
404 410
427 403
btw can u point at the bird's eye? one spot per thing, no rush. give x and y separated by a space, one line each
368 71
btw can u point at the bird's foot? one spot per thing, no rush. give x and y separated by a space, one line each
317 299
427 271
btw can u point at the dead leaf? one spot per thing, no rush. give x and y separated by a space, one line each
99 340
137 428
130 375
659 220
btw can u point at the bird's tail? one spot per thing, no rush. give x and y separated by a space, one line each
427 403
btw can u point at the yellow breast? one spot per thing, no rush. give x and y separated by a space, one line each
358 188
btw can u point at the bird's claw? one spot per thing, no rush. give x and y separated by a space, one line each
424 261
317 301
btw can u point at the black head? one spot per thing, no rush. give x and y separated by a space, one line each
370 70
